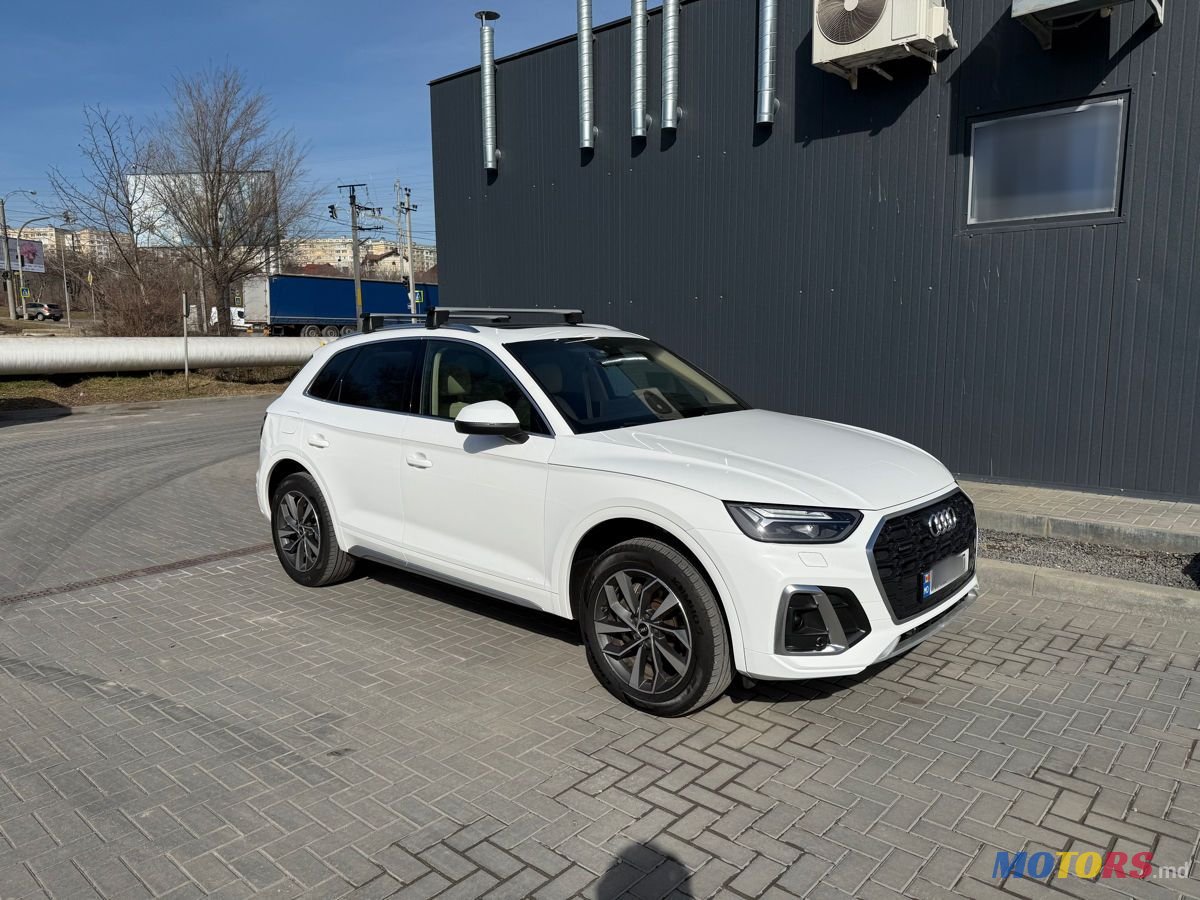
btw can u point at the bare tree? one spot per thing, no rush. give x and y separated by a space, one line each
108 196
229 185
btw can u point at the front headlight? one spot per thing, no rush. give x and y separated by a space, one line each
794 524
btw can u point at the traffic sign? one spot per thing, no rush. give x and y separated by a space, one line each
26 293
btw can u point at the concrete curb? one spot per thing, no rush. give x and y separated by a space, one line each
1041 583
1135 537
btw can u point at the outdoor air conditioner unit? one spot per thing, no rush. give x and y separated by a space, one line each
1044 17
851 35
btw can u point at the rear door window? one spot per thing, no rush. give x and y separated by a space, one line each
383 375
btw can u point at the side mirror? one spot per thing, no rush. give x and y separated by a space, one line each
488 417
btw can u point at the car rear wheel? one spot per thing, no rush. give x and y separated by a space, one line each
302 530
310 331
41 317
655 635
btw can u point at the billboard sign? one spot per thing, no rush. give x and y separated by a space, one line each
163 203
26 254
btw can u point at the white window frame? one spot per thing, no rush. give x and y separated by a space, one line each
1118 176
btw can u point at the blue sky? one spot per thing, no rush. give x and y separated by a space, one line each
350 79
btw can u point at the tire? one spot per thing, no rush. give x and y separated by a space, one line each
299 494
678 677
348 330
41 317
310 331
330 331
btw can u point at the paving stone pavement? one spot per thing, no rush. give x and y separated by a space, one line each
1175 516
218 731
103 493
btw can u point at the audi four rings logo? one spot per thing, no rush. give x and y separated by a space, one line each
942 521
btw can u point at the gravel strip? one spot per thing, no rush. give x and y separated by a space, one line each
1177 570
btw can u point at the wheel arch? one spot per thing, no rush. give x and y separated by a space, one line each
616 526
283 466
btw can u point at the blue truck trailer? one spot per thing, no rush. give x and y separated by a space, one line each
318 305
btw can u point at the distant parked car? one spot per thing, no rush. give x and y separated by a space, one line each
43 311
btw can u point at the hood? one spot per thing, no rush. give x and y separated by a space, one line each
768 457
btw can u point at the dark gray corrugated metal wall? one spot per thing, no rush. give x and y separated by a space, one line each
825 267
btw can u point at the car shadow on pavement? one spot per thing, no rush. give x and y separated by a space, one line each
1192 570
743 690
543 623
23 410
645 871
532 620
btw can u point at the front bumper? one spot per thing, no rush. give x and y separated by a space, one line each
879 645
761 577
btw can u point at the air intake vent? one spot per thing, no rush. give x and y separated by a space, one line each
847 21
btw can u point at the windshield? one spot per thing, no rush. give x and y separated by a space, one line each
598 383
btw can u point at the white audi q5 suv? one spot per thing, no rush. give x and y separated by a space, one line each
589 472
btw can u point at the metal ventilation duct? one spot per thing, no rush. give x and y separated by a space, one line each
768 36
637 67
670 64
587 130
487 82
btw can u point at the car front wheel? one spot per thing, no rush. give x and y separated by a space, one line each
655 635
302 530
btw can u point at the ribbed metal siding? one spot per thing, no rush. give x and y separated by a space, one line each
826 269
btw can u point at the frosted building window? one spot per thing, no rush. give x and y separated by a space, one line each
1059 162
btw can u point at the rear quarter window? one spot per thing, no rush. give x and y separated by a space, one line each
327 384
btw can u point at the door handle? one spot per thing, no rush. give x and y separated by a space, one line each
419 461
318 441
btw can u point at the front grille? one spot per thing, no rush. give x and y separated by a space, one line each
905 549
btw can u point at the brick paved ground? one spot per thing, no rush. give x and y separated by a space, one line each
217 730
1163 515
99 494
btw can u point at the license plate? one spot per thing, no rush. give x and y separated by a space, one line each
945 572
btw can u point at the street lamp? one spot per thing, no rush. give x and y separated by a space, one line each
12 306
61 240
20 258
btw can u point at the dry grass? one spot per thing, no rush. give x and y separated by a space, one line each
18 392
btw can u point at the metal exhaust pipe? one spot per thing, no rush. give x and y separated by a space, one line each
670 64
637 68
487 85
768 37
587 132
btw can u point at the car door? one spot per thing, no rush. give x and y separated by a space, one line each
356 433
475 504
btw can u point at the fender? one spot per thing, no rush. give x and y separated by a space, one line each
561 568
293 454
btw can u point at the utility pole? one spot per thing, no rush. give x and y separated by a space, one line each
187 379
8 288
8 285
406 211
358 304
60 234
